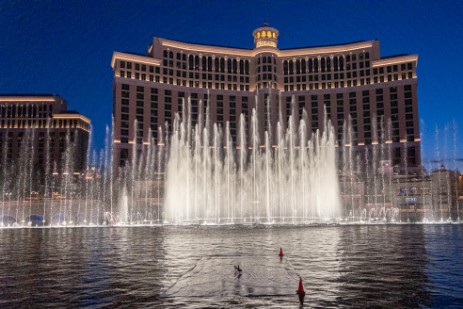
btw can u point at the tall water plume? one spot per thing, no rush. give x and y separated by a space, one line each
211 180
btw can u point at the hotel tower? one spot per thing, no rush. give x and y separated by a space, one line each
368 99
37 130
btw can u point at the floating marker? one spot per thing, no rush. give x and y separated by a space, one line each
300 289
300 292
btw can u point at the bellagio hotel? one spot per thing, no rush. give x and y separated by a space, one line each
346 81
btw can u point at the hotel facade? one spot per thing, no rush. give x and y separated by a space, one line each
374 98
38 130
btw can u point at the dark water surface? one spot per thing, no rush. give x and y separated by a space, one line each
388 266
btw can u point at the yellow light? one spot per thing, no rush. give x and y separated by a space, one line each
395 60
252 53
71 116
27 99
135 58
266 43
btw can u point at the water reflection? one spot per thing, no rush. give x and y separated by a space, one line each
444 247
383 266
342 266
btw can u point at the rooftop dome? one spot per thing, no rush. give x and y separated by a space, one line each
265 36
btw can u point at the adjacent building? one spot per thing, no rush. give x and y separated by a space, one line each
375 98
39 131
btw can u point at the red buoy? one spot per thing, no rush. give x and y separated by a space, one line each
300 289
300 292
281 252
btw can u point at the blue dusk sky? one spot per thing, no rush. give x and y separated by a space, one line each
65 47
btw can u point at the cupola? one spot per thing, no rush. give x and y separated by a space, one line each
265 36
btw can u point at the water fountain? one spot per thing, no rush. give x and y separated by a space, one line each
291 182
198 175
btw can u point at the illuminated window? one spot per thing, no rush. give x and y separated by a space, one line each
264 34
209 64
204 63
269 34
222 65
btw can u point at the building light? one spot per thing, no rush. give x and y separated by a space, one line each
266 44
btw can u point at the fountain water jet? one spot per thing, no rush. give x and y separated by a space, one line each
201 174
204 172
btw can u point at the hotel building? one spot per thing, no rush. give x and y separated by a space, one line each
40 130
345 83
